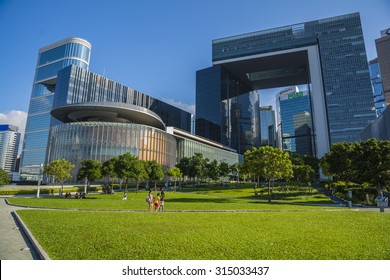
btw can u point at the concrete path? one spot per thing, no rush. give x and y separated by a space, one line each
14 245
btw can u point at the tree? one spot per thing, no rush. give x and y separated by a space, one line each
154 171
251 163
339 161
235 170
175 173
224 169
60 170
197 166
90 170
372 163
127 167
184 166
303 173
212 170
271 164
4 177
139 172
109 171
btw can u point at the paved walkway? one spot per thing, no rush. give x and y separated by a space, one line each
14 245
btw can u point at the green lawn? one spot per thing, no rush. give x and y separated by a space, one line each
241 198
291 227
265 235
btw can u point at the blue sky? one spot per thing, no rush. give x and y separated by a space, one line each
152 46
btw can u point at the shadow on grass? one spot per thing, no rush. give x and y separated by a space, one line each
70 199
200 200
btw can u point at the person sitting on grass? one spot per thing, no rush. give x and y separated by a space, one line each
76 195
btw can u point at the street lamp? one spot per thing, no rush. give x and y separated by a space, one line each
39 181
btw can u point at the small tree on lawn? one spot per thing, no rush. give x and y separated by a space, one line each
339 161
139 172
175 173
59 169
90 170
223 169
372 163
197 167
125 167
154 172
303 173
109 171
212 170
4 177
271 164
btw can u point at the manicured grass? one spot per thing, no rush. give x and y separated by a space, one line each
241 198
267 235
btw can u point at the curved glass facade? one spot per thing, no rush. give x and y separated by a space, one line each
78 85
103 140
65 50
51 59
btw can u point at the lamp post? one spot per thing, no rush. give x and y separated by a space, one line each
39 182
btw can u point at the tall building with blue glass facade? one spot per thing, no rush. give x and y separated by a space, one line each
267 126
328 55
383 51
51 59
97 118
76 114
377 88
295 126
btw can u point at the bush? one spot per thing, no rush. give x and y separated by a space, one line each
24 191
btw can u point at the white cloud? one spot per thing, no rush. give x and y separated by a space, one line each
14 117
17 118
181 105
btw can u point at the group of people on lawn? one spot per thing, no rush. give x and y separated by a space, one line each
77 195
156 204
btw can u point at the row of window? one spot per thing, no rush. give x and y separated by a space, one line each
66 50
101 141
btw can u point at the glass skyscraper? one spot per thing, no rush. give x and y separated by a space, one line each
227 111
267 126
383 51
328 55
51 59
377 88
295 126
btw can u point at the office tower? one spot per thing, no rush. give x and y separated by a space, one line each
377 88
98 118
295 126
267 126
9 146
328 55
51 59
378 129
383 52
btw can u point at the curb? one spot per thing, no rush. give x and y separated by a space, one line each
38 248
